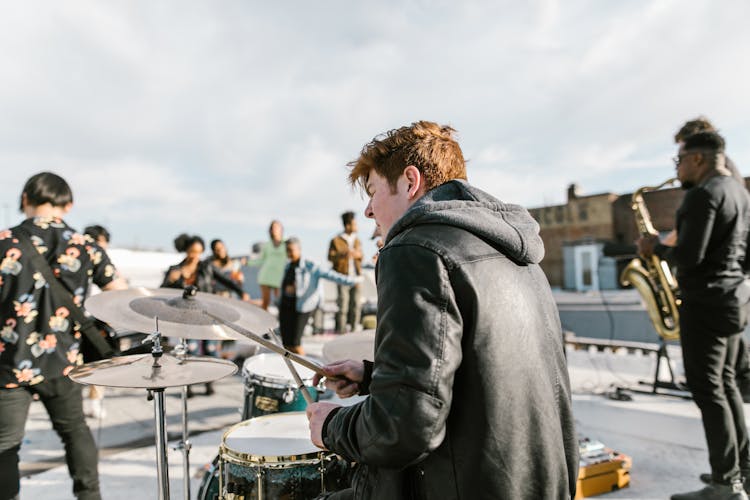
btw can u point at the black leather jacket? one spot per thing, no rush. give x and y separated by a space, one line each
469 395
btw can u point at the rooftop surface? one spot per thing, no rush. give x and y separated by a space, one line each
662 434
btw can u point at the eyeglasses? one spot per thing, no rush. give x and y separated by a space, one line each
678 159
711 152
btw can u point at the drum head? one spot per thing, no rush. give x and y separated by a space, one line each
271 367
280 437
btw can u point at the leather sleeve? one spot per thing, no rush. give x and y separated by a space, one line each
418 350
364 386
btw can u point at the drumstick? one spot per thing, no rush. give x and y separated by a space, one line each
300 384
270 345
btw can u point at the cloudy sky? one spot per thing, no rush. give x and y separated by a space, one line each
216 117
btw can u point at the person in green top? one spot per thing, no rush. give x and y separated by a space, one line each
272 261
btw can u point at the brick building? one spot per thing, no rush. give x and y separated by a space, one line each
591 221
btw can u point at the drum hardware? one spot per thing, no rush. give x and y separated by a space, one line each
154 372
269 387
160 417
190 314
272 457
289 394
180 312
181 351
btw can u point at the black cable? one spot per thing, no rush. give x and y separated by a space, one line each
612 327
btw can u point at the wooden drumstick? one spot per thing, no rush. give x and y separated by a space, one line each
270 345
300 384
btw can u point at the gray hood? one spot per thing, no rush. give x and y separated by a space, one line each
508 227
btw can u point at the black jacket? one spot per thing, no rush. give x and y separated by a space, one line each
469 395
711 251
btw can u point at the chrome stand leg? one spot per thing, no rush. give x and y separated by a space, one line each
184 445
162 469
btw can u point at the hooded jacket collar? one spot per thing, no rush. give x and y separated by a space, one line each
508 227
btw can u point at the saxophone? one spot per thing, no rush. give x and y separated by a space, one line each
652 277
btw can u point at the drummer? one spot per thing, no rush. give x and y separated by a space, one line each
38 343
468 394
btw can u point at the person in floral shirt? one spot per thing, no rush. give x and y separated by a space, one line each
39 344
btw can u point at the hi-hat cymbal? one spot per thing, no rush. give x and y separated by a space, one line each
357 346
179 315
143 371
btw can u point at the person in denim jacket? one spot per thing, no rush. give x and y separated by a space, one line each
302 293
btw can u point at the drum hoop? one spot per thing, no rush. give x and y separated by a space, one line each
240 458
276 462
275 382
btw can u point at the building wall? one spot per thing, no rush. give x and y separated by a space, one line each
661 205
581 218
603 217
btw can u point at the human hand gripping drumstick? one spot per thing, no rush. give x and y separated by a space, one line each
343 377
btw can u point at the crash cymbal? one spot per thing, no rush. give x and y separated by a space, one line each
357 345
143 371
180 315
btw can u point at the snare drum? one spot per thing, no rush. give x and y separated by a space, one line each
272 457
270 388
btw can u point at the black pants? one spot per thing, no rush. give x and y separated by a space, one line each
291 322
62 399
742 370
710 359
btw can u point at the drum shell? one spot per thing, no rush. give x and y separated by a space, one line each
267 393
301 476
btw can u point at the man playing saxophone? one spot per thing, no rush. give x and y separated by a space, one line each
713 223
742 368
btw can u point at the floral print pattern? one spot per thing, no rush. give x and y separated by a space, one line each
38 339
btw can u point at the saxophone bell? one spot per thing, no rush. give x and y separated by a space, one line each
652 276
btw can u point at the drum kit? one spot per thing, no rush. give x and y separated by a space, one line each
267 455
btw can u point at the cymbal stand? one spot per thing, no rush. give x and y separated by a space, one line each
162 471
181 351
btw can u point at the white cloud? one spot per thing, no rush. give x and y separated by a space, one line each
215 118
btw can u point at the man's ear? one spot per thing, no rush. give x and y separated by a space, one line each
66 208
415 181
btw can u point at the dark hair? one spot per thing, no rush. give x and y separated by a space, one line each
275 221
214 243
704 140
700 124
46 187
96 232
347 218
185 241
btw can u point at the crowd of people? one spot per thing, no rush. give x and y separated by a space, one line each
287 281
468 393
